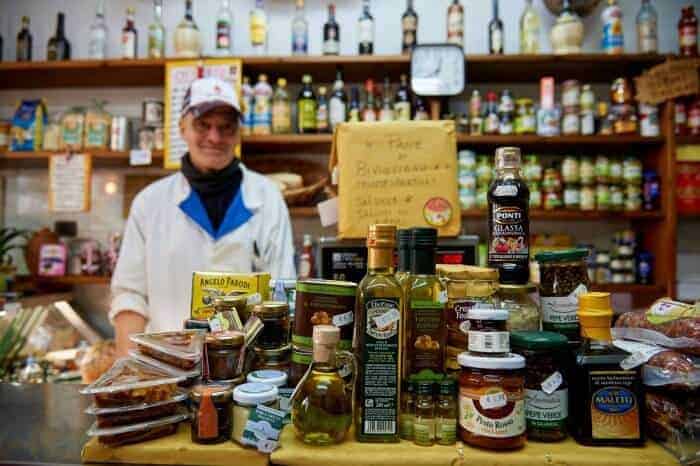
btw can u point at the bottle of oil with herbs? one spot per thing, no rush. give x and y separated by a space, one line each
446 412
322 402
408 410
424 423
377 341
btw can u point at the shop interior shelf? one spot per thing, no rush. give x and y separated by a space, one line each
657 290
561 214
687 140
533 141
479 68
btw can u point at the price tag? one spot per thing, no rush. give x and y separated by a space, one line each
551 383
254 299
493 400
346 318
640 353
267 446
215 325
388 318
328 212
139 157
344 370
442 297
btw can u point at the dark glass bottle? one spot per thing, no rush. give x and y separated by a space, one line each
492 121
369 113
688 32
58 47
331 33
366 30
354 108
130 37
306 107
409 28
402 104
338 102
495 32
509 223
24 41
421 112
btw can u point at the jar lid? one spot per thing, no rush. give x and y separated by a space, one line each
567 255
538 340
231 301
271 309
268 376
219 393
486 311
511 361
424 387
196 324
277 353
529 287
228 339
255 393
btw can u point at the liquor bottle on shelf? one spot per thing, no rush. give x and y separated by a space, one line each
306 259
331 33
529 29
688 32
409 28
224 20
58 47
369 113
188 40
455 23
262 109
130 36
495 32
378 341
476 120
258 28
386 113
421 112
613 39
365 30
402 103
281 109
322 125
247 103
647 31
306 107
337 107
300 31
567 33
354 108
492 121
156 32
24 41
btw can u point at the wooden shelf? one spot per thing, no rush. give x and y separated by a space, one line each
647 290
479 68
563 142
538 214
687 140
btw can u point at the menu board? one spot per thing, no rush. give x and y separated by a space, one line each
401 173
70 177
178 76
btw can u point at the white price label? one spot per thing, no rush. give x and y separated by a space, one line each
254 299
640 353
139 157
344 370
442 297
266 446
493 400
341 320
328 212
215 325
551 383
389 317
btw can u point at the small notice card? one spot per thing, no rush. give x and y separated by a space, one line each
70 177
402 173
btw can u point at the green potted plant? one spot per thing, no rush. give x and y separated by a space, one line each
10 239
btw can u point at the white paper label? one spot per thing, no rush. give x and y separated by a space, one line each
562 310
493 400
344 370
442 297
489 342
346 318
254 299
328 212
215 325
267 446
551 383
139 157
385 320
640 353
505 190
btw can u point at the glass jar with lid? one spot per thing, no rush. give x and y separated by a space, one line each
212 415
615 171
587 171
552 181
522 307
546 385
235 302
245 398
535 195
572 197
525 120
617 198
632 170
532 170
602 197
588 194
484 171
276 324
587 101
570 171
277 359
633 198
602 169
223 354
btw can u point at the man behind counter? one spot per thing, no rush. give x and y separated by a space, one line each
214 214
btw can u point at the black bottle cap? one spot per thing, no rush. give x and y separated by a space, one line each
403 239
423 238
512 274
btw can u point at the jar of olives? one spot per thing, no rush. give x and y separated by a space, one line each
632 170
570 169
602 169
615 173
484 171
588 194
587 171
532 170
617 198
602 197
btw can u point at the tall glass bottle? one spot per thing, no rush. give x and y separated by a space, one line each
130 36
262 107
509 222
455 23
386 113
409 28
365 30
529 29
354 110
331 33
688 32
426 333
495 32
281 109
224 20
300 31
306 107
647 30
322 402
338 104
377 341
369 113
613 41
156 32
403 247
322 124
258 28
58 47
609 407
188 40
402 104
421 110
24 41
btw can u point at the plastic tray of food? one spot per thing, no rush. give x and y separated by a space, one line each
132 382
673 420
192 375
182 349
133 433
123 415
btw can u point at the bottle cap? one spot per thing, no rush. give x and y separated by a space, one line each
327 335
595 315
507 157
511 274
381 235
403 238
423 238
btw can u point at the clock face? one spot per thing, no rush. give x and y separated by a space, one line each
437 70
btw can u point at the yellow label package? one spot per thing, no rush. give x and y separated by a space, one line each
207 286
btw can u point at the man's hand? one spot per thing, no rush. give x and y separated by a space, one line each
126 323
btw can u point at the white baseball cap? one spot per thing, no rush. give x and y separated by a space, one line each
205 94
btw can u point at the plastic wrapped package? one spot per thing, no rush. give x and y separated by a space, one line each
131 382
182 349
134 433
134 414
673 419
192 376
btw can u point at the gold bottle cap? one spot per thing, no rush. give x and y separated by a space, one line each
595 315
381 235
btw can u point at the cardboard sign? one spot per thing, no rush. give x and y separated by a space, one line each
178 76
70 177
401 173
669 80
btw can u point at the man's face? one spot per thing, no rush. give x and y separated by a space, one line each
211 138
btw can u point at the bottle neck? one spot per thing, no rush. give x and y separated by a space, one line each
495 9
324 355
158 13
380 260
423 261
404 260
59 27
331 14
508 173
188 11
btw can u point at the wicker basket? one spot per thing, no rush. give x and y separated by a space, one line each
315 176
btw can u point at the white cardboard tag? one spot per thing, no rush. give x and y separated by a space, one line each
328 212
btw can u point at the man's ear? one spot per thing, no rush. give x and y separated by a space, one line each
181 124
